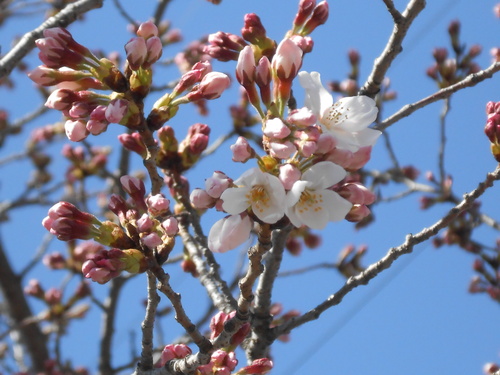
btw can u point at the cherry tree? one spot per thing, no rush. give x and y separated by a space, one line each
115 176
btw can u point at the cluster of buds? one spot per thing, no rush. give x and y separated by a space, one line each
221 363
76 71
67 223
488 278
84 163
108 264
172 351
492 128
210 196
78 253
349 260
447 71
321 139
142 52
301 235
199 83
57 309
146 228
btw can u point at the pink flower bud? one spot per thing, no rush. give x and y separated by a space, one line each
133 142
242 151
302 117
200 199
245 68
258 366
55 261
216 184
116 110
356 193
157 204
318 17
282 150
53 296
171 352
154 51
144 223
76 131
288 175
306 8
276 128
305 43
170 226
358 213
211 87
147 30
61 99
34 289
263 72
152 240
136 52
133 186
96 127
229 233
287 60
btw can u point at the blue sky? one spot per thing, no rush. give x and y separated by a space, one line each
416 318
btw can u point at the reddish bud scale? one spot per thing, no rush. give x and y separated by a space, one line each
318 17
306 8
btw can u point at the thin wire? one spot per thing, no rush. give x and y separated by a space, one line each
337 325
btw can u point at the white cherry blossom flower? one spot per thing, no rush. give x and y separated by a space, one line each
347 119
311 203
263 192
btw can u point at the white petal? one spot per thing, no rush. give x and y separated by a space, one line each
336 206
323 175
367 137
318 100
234 200
293 196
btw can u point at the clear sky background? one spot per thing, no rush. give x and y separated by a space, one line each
416 318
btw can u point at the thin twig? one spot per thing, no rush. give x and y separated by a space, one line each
62 19
392 255
469 81
392 49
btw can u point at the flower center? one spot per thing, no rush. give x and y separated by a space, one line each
336 115
259 198
310 200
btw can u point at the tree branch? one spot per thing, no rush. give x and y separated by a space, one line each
392 49
469 81
62 19
19 311
392 255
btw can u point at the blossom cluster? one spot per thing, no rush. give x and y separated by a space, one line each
307 176
145 226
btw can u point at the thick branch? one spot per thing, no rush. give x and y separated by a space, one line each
19 312
258 346
62 19
393 254
392 49
469 81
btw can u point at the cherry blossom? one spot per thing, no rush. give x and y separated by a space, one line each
261 191
347 119
311 203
